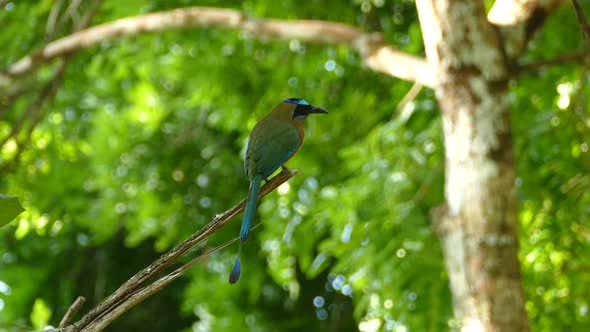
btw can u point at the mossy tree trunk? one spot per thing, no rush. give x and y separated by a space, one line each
477 224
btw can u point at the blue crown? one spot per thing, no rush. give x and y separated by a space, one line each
296 101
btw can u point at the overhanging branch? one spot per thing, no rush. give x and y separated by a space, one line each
517 20
377 54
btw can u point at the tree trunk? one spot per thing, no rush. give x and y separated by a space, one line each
477 224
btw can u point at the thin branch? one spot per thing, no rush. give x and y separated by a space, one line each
50 29
563 59
135 282
138 296
74 308
88 16
582 20
72 12
377 54
408 97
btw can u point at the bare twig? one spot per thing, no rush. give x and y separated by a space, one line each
88 16
147 291
52 19
74 308
564 59
72 12
135 283
582 20
377 54
408 97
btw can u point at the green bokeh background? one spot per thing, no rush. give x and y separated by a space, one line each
143 144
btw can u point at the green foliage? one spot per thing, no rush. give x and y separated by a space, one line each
142 145
552 133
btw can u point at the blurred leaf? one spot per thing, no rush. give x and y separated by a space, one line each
10 208
40 315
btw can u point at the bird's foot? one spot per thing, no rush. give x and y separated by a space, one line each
285 169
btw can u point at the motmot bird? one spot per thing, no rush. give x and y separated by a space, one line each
272 142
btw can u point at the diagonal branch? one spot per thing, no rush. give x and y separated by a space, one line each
582 20
377 54
143 293
518 20
125 291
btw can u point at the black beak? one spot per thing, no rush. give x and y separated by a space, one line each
315 109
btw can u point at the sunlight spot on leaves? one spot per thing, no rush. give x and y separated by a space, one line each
40 314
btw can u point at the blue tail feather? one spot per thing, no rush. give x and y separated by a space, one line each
234 275
250 209
249 212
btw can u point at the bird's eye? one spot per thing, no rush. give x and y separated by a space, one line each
300 112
